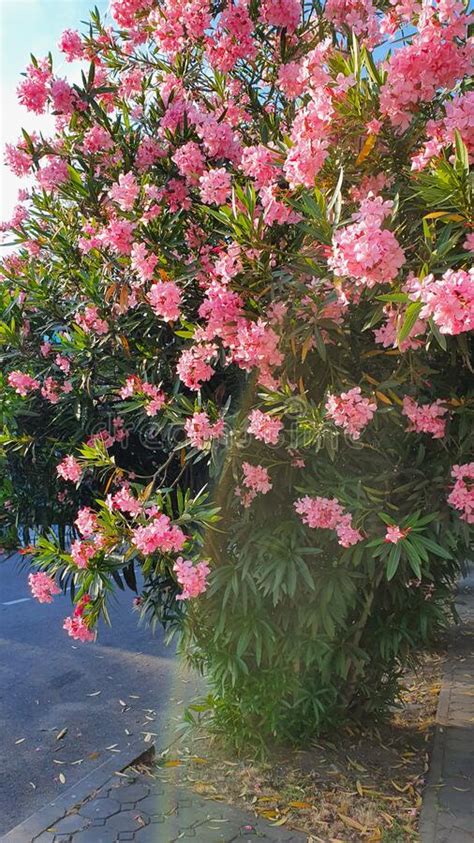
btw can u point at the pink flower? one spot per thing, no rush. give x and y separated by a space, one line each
77 628
461 496
190 161
201 432
52 174
69 469
327 513
215 186
284 14
394 534
125 502
86 522
71 45
364 251
125 191
118 236
63 96
165 300
43 587
143 263
97 139
259 163
264 427
256 480
193 366
22 383
351 411
192 578
160 535
33 91
427 418
18 159
449 300
90 320
469 242
256 346
51 390
81 552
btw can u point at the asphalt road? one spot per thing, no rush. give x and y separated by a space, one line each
108 695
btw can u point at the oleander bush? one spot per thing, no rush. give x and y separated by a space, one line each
237 341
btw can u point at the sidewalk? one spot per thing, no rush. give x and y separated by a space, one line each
448 802
138 808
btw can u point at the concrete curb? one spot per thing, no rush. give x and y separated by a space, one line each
53 811
430 806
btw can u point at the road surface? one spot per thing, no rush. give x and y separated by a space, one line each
106 695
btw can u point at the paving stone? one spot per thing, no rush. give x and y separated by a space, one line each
70 823
124 821
132 792
448 800
153 804
100 808
95 835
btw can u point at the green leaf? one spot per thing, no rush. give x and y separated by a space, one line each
411 315
393 561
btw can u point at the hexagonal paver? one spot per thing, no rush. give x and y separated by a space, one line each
71 823
132 792
154 803
95 835
99 809
126 821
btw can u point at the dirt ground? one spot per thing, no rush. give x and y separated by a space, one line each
363 785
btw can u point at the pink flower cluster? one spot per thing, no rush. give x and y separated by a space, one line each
264 427
165 300
435 59
351 411
394 534
159 535
461 496
201 432
43 587
190 161
425 418
191 578
309 136
22 383
76 626
125 191
86 522
82 552
215 186
327 513
136 386
90 321
364 251
71 45
285 14
69 469
193 367
256 480
448 300
124 501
